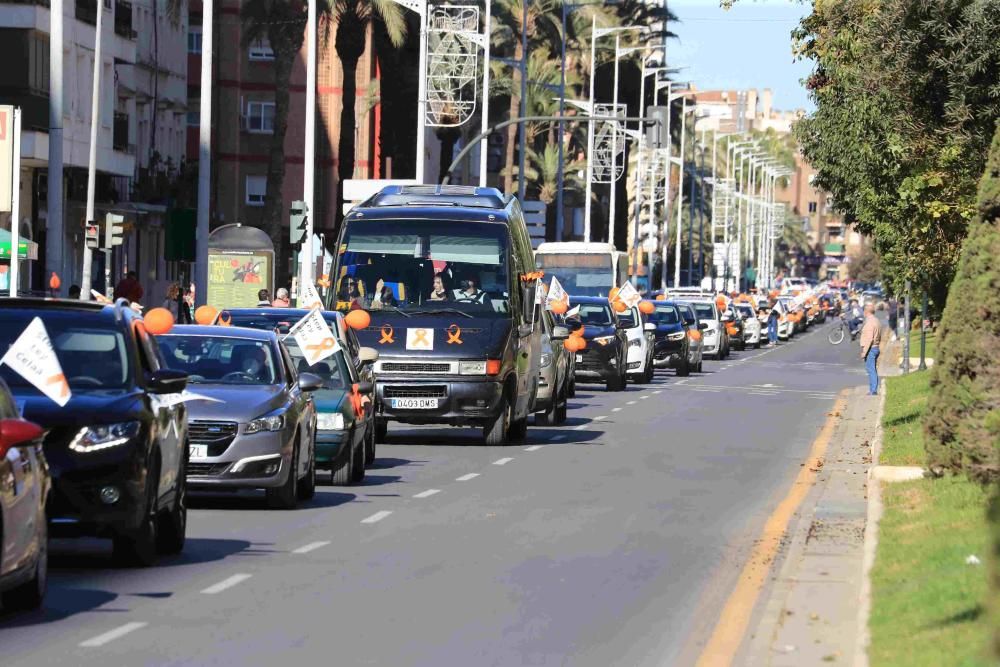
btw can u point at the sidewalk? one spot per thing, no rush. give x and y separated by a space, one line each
811 612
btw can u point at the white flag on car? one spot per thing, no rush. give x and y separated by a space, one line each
629 295
32 357
314 337
310 296
556 293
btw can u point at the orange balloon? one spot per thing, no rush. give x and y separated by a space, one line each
613 294
661 297
694 334
620 306
358 319
559 307
578 333
205 315
646 307
54 282
158 321
570 344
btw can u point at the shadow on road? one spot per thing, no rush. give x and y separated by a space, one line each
60 603
387 462
70 556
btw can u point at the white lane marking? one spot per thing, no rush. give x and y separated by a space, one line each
557 437
630 403
111 635
644 397
767 386
312 546
504 461
467 477
616 409
580 427
600 417
762 393
658 391
378 516
426 494
226 583
533 448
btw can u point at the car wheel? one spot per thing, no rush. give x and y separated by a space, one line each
286 496
547 418
700 364
348 472
138 547
370 445
381 429
616 383
684 369
495 431
30 594
307 488
172 531
756 345
518 429
572 387
560 416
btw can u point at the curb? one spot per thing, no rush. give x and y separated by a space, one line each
872 519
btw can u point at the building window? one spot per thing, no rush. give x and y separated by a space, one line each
256 190
812 207
194 39
193 118
260 49
260 117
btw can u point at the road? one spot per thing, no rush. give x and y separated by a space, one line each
611 540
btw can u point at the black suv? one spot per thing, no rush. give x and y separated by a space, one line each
604 357
118 449
672 348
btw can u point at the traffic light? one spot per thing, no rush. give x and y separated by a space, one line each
113 230
656 133
297 221
93 235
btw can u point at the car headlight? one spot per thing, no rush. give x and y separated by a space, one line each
546 359
269 423
709 333
96 438
635 343
603 340
330 421
676 336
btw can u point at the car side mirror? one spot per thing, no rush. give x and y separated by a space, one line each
703 326
167 381
365 387
559 332
310 382
649 326
367 355
16 432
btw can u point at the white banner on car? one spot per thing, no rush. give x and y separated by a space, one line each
32 357
310 296
420 339
629 295
314 337
573 312
556 293
170 400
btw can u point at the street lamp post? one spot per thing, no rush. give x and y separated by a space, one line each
664 245
421 8
680 193
619 51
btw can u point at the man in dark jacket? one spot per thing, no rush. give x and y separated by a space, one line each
129 288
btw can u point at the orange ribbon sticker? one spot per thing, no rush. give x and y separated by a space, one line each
228 321
602 341
324 281
356 403
61 380
454 334
326 344
386 335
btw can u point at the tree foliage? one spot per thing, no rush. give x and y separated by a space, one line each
907 94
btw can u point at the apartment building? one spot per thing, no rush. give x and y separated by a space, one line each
140 138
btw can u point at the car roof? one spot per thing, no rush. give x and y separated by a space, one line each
589 300
434 203
221 331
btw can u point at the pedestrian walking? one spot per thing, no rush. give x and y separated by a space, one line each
281 299
185 306
263 299
172 302
129 288
893 316
871 335
772 323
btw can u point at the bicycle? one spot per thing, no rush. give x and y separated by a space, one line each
839 332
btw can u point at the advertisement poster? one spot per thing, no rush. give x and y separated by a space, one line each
235 277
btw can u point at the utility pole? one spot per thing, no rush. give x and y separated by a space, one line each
95 112
204 154
309 155
422 8
590 133
522 131
614 148
484 144
15 203
906 320
55 234
680 196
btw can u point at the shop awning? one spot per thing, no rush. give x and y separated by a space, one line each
25 249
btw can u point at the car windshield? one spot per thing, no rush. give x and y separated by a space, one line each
416 266
580 274
705 311
91 352
628 318
664 315
746 311
596 314
220 359
332 369
688 314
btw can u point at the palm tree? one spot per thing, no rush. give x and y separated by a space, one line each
283 23
543 172
353 19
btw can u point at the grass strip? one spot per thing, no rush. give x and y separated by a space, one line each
902 422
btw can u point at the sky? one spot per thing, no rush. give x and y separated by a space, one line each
748 46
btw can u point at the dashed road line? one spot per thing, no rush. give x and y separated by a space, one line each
427 494
378 516
616 409
533 448
225 584
658 391
600 417
580 427
467 477
630 403
504 461
111 635
312 546
644 397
